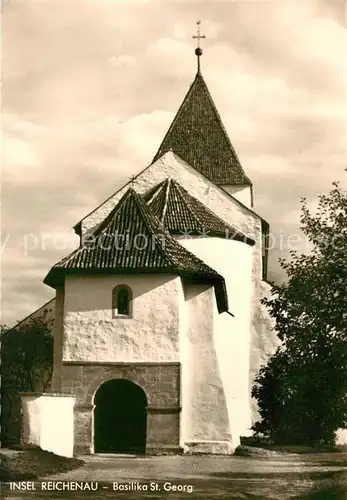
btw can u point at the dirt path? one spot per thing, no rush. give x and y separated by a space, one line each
198 477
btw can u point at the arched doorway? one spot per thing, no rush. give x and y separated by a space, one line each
120 418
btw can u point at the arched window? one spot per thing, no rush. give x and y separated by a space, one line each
121 301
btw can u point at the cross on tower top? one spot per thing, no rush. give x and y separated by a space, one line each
132 181
198 37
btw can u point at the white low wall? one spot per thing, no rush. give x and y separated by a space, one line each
48 422
341 437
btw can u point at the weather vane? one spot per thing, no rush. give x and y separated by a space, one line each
198 37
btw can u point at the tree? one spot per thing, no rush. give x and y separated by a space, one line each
302 392
26 366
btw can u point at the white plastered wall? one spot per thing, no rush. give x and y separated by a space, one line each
242 193
48 422
341 437
151 334
231 336
204 419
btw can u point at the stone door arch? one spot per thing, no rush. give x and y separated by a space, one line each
120 417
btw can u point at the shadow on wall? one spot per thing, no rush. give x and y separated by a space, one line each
139 287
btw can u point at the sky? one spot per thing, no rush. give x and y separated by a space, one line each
90 88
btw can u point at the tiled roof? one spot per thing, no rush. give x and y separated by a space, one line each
182 214
132 240
198 136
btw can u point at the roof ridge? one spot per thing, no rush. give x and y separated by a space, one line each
219 119
156 191
168 186
107 220
150 220
176 116
186 202
190 202
155 226
153 220
146 215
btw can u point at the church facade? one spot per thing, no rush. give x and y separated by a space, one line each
159 328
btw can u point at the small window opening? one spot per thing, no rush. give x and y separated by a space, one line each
121 301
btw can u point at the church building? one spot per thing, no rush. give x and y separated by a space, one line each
159 328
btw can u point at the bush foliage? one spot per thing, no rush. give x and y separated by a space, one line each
26 366
302 391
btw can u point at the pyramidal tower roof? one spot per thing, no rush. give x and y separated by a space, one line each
198 136
184 215
117 249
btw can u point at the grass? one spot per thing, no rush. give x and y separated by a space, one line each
333 493
32 464
290 448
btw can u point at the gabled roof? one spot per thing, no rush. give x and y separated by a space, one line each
132 240
170 154
47 307
182 214
198 136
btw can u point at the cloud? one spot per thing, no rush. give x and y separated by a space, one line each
124 60
21 157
